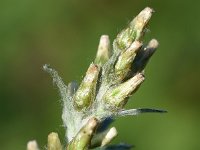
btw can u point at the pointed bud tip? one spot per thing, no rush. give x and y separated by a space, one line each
111 134
92 68
53 136
153 43
54 141
149 9
104 45
146 13
91 73
142 19
103 52
92 123
104 39
32 145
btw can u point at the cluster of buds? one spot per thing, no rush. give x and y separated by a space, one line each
110 80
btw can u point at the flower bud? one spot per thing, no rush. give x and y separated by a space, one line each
111 134
82 140
103 52
125 60
135 29
32 145
140 21
86 92
54 142
116 97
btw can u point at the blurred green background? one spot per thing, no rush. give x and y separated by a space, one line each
65 34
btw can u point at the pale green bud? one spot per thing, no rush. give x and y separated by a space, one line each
32 145
135 29
116 97
125 60
85 94
103 138
103 52
111 134
82 140
141 20
54 142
